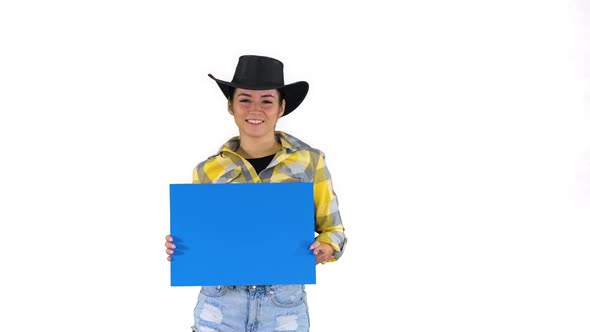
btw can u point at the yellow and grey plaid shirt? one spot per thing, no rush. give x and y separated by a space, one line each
296 162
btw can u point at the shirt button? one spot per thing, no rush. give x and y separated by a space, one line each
253 287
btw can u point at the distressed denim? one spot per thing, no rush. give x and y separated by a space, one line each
252 309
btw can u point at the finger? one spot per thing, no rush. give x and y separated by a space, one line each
169 251
170 245
169 238
170 258
320 259
326 259
314 245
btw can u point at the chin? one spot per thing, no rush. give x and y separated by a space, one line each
259 132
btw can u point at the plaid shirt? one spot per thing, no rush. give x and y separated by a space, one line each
296 162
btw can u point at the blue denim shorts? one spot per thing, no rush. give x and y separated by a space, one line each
252 309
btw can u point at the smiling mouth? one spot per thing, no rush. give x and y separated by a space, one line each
254 121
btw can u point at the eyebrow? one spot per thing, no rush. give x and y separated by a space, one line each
247 95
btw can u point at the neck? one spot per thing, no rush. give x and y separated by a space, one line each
257 147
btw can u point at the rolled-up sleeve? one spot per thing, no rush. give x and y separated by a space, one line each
328 223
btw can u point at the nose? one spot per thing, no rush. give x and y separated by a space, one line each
256 107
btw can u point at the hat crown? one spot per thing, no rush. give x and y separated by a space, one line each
255 70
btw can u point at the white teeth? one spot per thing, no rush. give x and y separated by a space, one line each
255 121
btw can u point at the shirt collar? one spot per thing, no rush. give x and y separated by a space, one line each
289 143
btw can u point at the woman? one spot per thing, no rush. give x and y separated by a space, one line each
257 98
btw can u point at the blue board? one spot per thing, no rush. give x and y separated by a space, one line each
242 234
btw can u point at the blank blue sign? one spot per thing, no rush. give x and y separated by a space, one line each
242 234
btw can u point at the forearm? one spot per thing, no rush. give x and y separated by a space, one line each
328 223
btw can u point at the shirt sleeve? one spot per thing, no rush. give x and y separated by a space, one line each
200 174
196 175
328 224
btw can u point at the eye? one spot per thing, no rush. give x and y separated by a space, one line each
244 101
267 101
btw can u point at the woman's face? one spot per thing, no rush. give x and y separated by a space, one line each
256 111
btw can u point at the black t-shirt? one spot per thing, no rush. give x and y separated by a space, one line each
260 163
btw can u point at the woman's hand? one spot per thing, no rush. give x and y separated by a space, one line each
323 252
169 247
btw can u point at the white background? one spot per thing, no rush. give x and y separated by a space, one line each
457 134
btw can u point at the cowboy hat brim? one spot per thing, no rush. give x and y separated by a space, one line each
293 93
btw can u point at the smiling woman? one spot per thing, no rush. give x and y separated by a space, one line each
257 98
256 114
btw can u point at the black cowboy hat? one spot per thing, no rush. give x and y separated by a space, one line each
255 72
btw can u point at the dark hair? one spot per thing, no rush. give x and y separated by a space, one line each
232 90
